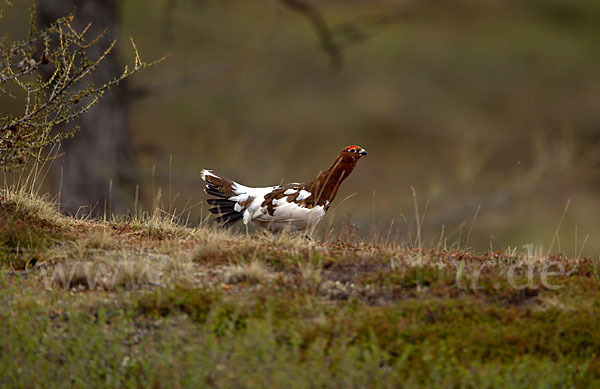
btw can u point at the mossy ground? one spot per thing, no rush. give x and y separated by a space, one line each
145 302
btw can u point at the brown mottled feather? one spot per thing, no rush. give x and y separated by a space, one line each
323 189
219 186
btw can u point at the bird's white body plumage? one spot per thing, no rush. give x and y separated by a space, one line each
286 215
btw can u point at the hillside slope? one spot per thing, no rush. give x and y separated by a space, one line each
146 302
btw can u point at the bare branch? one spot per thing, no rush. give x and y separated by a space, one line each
328 44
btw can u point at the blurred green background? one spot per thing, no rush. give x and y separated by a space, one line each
489 109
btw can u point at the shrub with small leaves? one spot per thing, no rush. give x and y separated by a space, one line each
49 101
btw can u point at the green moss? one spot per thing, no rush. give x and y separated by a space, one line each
289 339
196 303
412 277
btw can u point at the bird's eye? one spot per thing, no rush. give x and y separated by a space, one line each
353 150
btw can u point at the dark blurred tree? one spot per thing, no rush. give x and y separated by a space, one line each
102 152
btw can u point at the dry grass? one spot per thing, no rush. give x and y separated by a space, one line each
154 249
254 272
101 239
101 275
311 274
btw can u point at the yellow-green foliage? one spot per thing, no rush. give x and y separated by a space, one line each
46 103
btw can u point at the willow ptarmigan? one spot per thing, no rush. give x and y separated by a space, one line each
291 207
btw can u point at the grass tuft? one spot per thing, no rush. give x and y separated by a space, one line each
254 272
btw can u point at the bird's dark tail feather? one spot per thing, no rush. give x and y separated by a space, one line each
229 219
223 188
214 191
221 205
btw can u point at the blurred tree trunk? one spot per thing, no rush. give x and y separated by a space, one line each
101 151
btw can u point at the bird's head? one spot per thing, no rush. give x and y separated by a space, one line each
353 153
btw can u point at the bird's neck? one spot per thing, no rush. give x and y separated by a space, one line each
326 185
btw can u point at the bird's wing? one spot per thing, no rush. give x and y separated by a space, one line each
288 206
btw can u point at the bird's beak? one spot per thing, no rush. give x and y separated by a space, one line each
362 152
